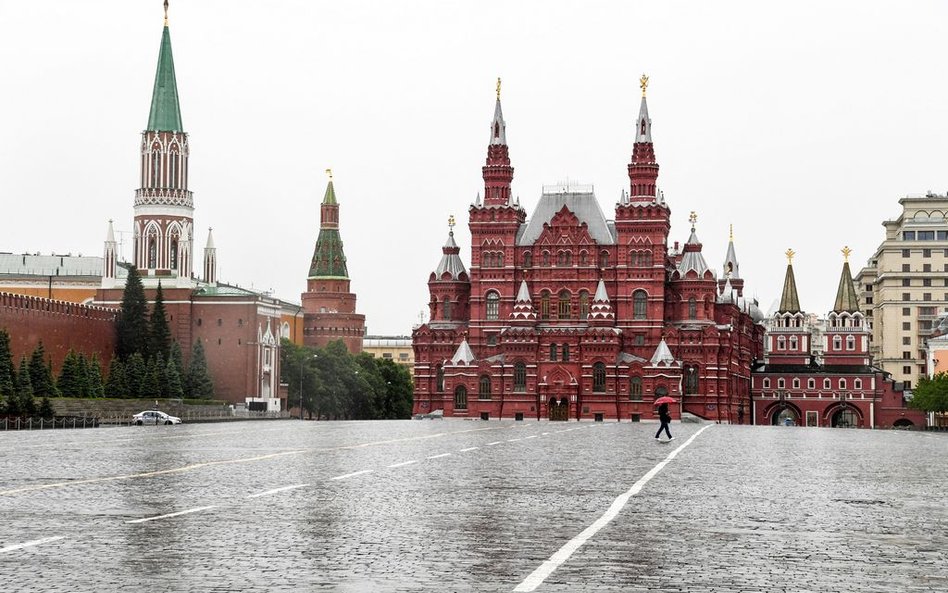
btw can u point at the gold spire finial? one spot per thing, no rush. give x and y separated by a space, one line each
498 88
846 252
732 232
693 218
329 172
451 223
789 253
643 82
166 13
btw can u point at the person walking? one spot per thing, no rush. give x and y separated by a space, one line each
664 417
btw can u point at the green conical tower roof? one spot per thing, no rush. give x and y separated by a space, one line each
165 115
329 260
789 301
846 299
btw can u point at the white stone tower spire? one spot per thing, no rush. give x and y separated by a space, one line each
109 259
210 259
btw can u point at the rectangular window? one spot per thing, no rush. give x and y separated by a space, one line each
907 282
926 235
639 339
926 267
906 253
906 311
942 235
926 281
906 356
868 288
868 300
926 252
906 267
907 370
908 235
927 310
927 296
906 296
906 340
907 325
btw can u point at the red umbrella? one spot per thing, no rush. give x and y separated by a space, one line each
665 400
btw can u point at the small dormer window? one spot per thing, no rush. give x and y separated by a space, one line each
643 126
496 130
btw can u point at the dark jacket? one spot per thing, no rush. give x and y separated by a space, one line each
663 414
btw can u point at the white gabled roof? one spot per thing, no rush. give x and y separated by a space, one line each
464 354
663 355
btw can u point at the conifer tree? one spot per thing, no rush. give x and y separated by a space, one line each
82 364
135 374
132 325
173 381
70 382
46 409
7 372
159 331
199 380
96 387
116 386
176 358
26 403
38 377
151 385
53 389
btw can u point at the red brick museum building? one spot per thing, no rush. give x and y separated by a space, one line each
569 315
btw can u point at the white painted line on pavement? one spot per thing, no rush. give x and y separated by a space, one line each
531 437
494 443
189 511
358 473
514 440
29 544
276 490
404 463
562 555
437 456
543 434
468 449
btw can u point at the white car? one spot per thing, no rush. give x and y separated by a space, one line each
154 417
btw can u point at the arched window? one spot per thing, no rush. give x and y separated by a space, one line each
545 304
440 381
827 384
633 259
599 377
172 169
485 259
546 258
811 383
553 352
690 372
692 308
527 259
635 388
837 343
850 342
520 376
446 309
155 167
781 343
583 258
483 387
563 311
796 383
781 383
604 259
174 253
493 306
842 383
793 344
565 352
583 305
857 383
639 304
460 398
766 384
152 252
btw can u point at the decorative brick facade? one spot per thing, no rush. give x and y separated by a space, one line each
569 315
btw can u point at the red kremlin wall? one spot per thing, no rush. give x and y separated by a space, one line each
60 325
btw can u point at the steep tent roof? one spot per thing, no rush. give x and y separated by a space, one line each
329 259
846 299
165 114
789 301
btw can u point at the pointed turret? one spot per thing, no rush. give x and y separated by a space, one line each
692 260
662 355
329 260
789 301
730 260
450 263
165 114
109 259
601 310
497 171
210 259
464 354
643 169
846 299
523 306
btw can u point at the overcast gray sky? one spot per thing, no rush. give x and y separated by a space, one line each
801 124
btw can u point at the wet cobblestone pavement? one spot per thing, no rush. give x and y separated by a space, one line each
472 506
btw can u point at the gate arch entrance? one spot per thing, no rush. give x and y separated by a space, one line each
558 410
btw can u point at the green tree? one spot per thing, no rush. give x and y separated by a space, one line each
931 395
132 324
70 382
7 372
176 358
83 366
96 387
116 385
160 332
173 388
41 374
151 386
46 409
25 402
199 379
397 400
135 374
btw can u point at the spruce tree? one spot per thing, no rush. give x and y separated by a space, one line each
26 403
7 372
199 380
173 380
132 325
116 385
135 374
176 358
82 365
96 387
151 385
46 409
70 383
38 377
160 332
